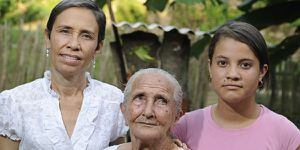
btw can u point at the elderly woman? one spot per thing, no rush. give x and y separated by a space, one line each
66 109
152 105
238 66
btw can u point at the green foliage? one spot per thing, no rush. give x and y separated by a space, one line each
200 45
142 52
26 10
156 5
272 14
130 10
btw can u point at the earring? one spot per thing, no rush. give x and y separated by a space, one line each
47 52
260 84
209 77
94 63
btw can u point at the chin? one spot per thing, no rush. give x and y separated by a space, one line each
147 135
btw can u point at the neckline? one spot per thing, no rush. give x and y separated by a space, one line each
253 125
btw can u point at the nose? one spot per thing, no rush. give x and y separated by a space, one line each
74 43
148 110
232 73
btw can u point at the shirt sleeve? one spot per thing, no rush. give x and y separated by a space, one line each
292 135
121 128
180 129
9 118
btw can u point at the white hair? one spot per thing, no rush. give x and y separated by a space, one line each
178 94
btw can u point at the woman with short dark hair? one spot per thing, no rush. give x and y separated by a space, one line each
66 109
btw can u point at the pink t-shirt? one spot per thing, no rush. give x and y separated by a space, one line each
270 131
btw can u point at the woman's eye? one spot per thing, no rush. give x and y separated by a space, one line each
222 63
65 31
246 65
87 36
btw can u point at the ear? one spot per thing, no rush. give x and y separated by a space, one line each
47 38
99 47
209 65
123 110
263 71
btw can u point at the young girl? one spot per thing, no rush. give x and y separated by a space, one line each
238 66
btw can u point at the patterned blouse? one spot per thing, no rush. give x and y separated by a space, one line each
31 113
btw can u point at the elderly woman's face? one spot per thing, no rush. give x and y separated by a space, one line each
151 109
74 40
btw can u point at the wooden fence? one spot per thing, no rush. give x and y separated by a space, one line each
23 59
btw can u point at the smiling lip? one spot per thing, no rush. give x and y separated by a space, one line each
70 57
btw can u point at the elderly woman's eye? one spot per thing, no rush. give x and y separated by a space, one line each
161 101
138 99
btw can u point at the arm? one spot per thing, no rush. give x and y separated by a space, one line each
8 144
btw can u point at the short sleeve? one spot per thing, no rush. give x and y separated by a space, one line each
119 126
292 135
180 129
9 117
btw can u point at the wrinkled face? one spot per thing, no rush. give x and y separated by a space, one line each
151 110
235 71
74 40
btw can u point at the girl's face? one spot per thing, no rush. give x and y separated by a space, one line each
235 71
73 41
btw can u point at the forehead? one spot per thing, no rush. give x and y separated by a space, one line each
232 48
152 80
77 17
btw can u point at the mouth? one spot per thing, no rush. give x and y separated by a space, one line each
147 123
232 86
70 57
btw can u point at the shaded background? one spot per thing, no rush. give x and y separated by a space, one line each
170 34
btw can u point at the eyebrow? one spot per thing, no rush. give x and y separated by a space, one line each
240 60
82 31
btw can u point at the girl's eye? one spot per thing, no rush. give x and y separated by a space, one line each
246 65
222 63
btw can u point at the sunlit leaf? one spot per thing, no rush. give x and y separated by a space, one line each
143 53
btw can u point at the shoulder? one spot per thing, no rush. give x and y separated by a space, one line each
25 91
105 86
280 123
198 113
106 91
275 118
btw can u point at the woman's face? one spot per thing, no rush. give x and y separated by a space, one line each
235 71
151 109
74 40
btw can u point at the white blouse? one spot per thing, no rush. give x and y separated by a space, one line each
31 113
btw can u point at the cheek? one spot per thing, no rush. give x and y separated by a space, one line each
165 115
135 111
